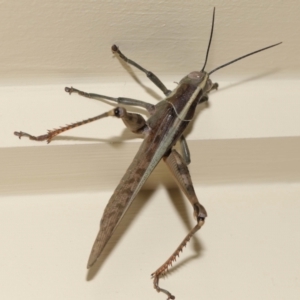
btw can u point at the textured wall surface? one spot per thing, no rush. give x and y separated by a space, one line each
57 39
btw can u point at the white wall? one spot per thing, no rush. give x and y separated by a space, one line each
245 150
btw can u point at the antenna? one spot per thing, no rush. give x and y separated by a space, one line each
241 57
210 38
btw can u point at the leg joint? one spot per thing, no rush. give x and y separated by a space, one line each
119 112
199 212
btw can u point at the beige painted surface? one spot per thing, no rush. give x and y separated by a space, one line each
245 150
53 40
248 249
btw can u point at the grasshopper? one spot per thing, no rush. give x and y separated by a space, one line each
165 127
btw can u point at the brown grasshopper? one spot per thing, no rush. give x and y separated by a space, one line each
166 125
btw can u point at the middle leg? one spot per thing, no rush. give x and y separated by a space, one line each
120 100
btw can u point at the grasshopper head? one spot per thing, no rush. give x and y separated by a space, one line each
202 78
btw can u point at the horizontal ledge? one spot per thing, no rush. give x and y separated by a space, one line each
242 108
95 167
